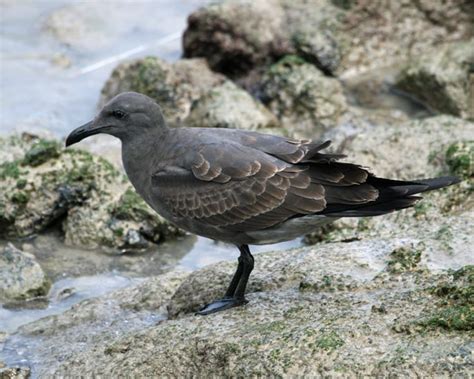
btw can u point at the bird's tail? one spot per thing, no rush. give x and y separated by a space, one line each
393 195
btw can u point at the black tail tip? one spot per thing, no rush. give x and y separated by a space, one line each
440 182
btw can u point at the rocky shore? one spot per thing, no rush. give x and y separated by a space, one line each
386 296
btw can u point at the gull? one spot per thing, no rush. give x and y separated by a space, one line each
242 187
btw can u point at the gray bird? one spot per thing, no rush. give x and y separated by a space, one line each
239 186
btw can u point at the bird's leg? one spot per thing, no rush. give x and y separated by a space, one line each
234 295
235 279
248 263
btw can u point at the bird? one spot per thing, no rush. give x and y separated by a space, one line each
242 187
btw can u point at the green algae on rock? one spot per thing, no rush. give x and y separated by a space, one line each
41 151
454 308
174 86
442 78
21 276
45 185
404 259
460 159
339 37
282 331
228 106
303 99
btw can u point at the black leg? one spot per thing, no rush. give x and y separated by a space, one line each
248 263
234 295
235 279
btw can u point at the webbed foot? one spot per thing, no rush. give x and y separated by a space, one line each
221 305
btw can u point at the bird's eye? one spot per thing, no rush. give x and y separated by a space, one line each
118 114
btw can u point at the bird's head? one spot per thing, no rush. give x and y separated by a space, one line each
126 115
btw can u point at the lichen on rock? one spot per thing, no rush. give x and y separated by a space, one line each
304 100
21 277
443 78
82 193
174 86
228 106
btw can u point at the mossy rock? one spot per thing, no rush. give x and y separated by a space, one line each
305 101
41 151
404 259
454 308
174 86
460 159
83 193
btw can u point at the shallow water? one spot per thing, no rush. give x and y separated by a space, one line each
51 85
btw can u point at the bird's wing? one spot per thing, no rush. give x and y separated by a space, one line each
238 187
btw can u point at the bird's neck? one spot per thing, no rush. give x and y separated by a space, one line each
139 155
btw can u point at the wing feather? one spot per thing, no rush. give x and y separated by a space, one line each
254 181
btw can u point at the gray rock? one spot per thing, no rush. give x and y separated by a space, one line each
21 277
387 304
174 86
45 184
15 373
317 47
104 319
305 101
381 33
415 149
311 310
338 37
236 36
443 79
408 150
228 106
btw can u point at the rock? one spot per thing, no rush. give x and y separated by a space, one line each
412 150
339 37
305 101
317 47
78 26
15 373
235 37
323 309
310 311
174 86
45 185
21 277
228 106
382 32
105 319
443 79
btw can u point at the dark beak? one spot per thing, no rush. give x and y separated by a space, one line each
82 132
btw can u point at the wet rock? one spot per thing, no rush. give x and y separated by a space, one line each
45 186
21 277
317 47
443 79
79 26
228 106
324 309
286 329
111 316
304 100
15 373
234 37
460 159
174 86
338 37
381 32
411 150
